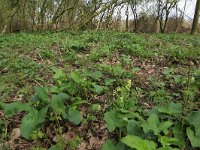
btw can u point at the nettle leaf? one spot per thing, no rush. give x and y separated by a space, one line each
110 118
153 124
108 145
194 140
171 108
138 143
75 116
42 93
32 121
11 109
77 77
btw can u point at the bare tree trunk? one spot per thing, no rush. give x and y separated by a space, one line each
98 12
157 22
157 28
196 18
99 22
127 19
134 10
5 27
181 17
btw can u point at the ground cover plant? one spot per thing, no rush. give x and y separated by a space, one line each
99 90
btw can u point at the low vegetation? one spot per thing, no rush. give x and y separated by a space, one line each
99 90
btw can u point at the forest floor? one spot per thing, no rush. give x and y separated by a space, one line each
99 90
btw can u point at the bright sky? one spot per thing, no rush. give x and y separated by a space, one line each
190 7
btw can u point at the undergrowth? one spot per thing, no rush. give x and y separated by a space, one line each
57 87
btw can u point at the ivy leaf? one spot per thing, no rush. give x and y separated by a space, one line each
75 116
77 77
195 142
31 122
108 145
16 107
171 108
138 143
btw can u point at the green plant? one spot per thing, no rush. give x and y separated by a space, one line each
164 128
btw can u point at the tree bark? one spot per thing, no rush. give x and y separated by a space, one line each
127 19
196 18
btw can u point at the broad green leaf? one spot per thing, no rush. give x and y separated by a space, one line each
96 75
168 148
109 81
151 124
134 115
63 96
135 70
58 146
194 120
171 108
98 89
77 77
11 109
96 107
108 145
75 116
138 143
58 73
179 133
57 104
164 125
167 141
195 142
31 122
133 128
42 93
110 118
120 146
